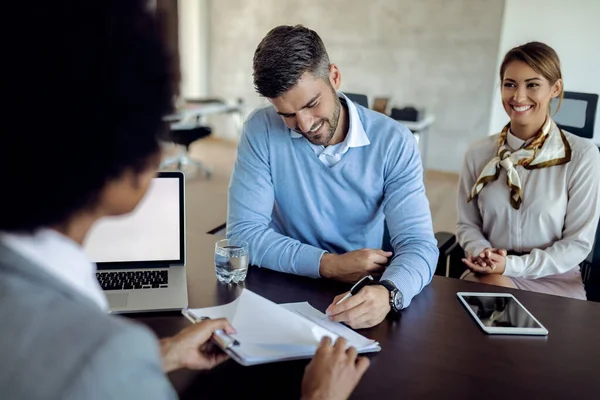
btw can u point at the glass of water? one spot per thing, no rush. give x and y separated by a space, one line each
231 260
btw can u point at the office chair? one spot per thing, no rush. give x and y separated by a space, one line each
359 99
187 126
590 271
184 136
451 253
577 113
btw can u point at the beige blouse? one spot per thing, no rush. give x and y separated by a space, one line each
556 224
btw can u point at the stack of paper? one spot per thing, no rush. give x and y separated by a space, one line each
268 332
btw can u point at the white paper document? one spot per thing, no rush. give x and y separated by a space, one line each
268 332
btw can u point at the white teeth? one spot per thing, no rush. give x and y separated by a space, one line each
317 128
521 109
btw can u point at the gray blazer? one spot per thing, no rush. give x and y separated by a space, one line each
57 344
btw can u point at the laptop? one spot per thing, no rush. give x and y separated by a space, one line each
141 256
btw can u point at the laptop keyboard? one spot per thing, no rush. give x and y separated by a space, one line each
133 280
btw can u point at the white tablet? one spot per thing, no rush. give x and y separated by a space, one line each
501 313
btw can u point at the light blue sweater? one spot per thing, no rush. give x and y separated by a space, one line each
291 208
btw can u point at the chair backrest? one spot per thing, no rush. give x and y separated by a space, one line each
590 270
596 250
359 99
577 113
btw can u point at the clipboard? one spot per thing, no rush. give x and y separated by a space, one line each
269 332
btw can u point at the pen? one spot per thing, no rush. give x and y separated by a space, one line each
219 337
356 288
222 339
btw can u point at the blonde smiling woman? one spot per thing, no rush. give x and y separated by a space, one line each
529 196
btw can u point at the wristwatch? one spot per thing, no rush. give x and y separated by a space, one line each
396 298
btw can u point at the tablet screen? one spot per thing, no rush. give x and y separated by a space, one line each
500 311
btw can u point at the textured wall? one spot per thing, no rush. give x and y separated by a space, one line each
437 54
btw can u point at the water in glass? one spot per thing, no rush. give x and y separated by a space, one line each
231 261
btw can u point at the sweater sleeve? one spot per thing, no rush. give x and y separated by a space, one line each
251 200
408 217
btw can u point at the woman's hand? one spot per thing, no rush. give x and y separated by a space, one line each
489 261
191 348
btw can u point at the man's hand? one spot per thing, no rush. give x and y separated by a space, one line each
191 348
490 261
334 371
365 309
354 265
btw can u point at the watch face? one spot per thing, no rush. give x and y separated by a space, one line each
398 300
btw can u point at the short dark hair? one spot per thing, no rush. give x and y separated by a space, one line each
85 94
284 55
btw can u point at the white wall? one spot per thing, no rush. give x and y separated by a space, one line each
571 27
193 47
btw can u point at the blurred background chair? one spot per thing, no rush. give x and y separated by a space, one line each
359 99
184 136
577 113
187 127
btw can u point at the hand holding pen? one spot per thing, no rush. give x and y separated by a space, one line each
192 348
367 280
364 306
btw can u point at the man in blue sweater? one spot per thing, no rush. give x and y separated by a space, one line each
316 176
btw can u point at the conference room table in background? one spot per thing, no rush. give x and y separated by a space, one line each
433 350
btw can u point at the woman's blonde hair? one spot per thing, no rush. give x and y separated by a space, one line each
541 58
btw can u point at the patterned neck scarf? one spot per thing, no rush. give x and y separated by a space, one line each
549 147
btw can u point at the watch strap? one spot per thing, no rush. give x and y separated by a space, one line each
389 285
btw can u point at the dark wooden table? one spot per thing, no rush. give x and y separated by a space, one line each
434 350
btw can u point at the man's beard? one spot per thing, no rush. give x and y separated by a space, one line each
333 122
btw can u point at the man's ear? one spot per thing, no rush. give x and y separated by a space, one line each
335 77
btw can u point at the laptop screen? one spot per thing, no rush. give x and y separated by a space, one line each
151 234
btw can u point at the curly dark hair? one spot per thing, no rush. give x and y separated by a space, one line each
85 94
